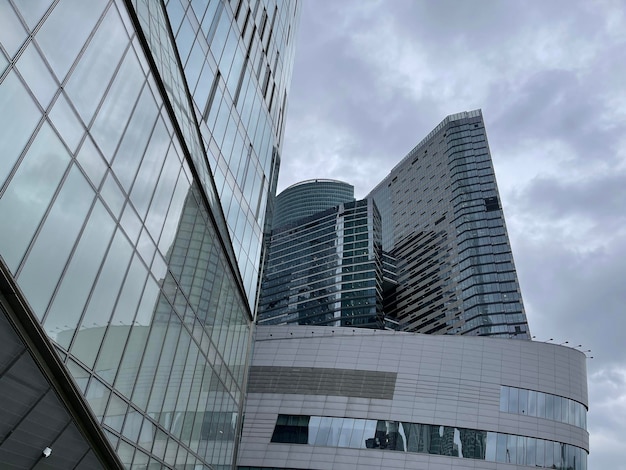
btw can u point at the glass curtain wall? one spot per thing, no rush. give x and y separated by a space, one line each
113 226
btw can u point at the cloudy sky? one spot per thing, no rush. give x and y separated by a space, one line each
372 78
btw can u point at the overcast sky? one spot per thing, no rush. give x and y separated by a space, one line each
372 78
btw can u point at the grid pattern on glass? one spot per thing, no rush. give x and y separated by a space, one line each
113 245
237 67
542 405
429 439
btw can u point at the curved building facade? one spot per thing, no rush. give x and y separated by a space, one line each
349 398
308 198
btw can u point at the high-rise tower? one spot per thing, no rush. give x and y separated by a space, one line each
140 145
443 223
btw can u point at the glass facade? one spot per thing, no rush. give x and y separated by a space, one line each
307 198
325 269
427 439
543 405
134 183
444 226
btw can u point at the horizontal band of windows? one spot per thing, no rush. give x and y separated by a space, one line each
543 405
428 439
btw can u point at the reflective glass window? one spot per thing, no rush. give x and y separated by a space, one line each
502 453
99 309
79 277
98 397
531 451
557 407
148 174
513 400
135 139
66 122
523 402
113 195
93 72
52 246
65 30
549 406
115 413
532 403
115 111
17 126
33 10
91 162
490 451
541 452
36 74
541 405
12 33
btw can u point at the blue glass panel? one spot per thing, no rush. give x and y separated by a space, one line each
17 126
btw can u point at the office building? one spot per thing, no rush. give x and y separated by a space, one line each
443 224
323 398
140 148
326 268
309 197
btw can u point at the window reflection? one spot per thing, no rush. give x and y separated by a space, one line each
543 405
427 438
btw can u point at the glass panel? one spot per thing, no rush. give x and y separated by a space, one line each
132 425
116 411
558 407
521 450
64 32
37 75
513 400
66 122
541 451
502 454
93 73
33 10
523 402
148 174
135 139
79 277
541 405
549 407
100 306
571 417
113 195
531 451
118 105
346 432
490 452
125 451
54 243
12 33
91 162
564 410
17 126
357 441
511 449
98 396
324 431
504 398
532 403
80 375
549 457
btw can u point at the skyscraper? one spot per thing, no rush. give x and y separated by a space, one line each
325 268
443 223
140 147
